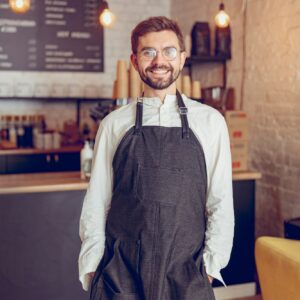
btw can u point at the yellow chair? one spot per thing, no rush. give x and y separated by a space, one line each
278 267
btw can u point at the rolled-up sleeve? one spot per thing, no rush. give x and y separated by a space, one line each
95 207
219 207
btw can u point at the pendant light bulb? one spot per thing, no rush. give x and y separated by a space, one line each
19 6
106 18
222 19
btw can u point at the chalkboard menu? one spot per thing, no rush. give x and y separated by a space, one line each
54 35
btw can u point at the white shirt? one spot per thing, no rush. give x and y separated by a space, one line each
210 128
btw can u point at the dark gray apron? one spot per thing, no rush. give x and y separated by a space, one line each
156 223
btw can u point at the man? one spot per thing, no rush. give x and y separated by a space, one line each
157 220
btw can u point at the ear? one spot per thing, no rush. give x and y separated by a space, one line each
182 59
133 59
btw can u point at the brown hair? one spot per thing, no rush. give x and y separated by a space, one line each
155 24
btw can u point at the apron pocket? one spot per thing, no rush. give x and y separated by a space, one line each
197 271
110 294
120 275
187 282
200 271
197 264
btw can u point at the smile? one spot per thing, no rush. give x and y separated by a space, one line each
159 71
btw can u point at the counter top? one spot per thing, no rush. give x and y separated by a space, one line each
41 182
40 151
65 181
246 175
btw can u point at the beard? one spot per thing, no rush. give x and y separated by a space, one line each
159 83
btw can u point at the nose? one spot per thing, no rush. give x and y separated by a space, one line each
158 58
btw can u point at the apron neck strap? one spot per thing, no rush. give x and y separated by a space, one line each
138 117
183 116
182 111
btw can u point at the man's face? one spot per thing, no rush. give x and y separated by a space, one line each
155 59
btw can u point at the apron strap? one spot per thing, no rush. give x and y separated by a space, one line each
138 117
183 115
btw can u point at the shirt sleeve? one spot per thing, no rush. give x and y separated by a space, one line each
219 207
95 207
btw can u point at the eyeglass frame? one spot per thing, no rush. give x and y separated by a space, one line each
161 51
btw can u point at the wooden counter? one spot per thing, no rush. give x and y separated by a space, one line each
65 181
246 175
19 151
39 237
41 182
39 221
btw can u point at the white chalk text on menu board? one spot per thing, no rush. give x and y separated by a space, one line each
54 35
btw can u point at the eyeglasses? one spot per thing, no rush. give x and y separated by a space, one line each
169 53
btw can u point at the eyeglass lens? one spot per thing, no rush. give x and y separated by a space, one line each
168 53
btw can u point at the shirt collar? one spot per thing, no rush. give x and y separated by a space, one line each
170 100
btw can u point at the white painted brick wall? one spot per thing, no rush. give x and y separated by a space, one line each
272 100
272 95
116 46
189 12
272 87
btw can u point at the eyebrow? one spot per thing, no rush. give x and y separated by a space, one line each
147 48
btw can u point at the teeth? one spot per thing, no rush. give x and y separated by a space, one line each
160 71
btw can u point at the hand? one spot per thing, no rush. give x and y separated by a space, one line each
210 278
91 275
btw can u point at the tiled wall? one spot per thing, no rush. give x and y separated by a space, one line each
271 95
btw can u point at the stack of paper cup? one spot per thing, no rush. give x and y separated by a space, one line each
115 92
134 83
196 89
122 80
188 45
186 85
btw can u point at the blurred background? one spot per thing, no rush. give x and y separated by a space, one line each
64 65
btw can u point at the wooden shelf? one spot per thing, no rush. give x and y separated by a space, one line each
67 149
57 99
205 59
193 60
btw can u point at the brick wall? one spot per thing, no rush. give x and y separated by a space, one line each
189 12
272 99
271 95
271 87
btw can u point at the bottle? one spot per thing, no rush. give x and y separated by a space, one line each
35 131
86 156
1 129
4 134
85 132
12 131
38 131
28 126
6 128
20 132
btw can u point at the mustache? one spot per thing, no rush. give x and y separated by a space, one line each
159 67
